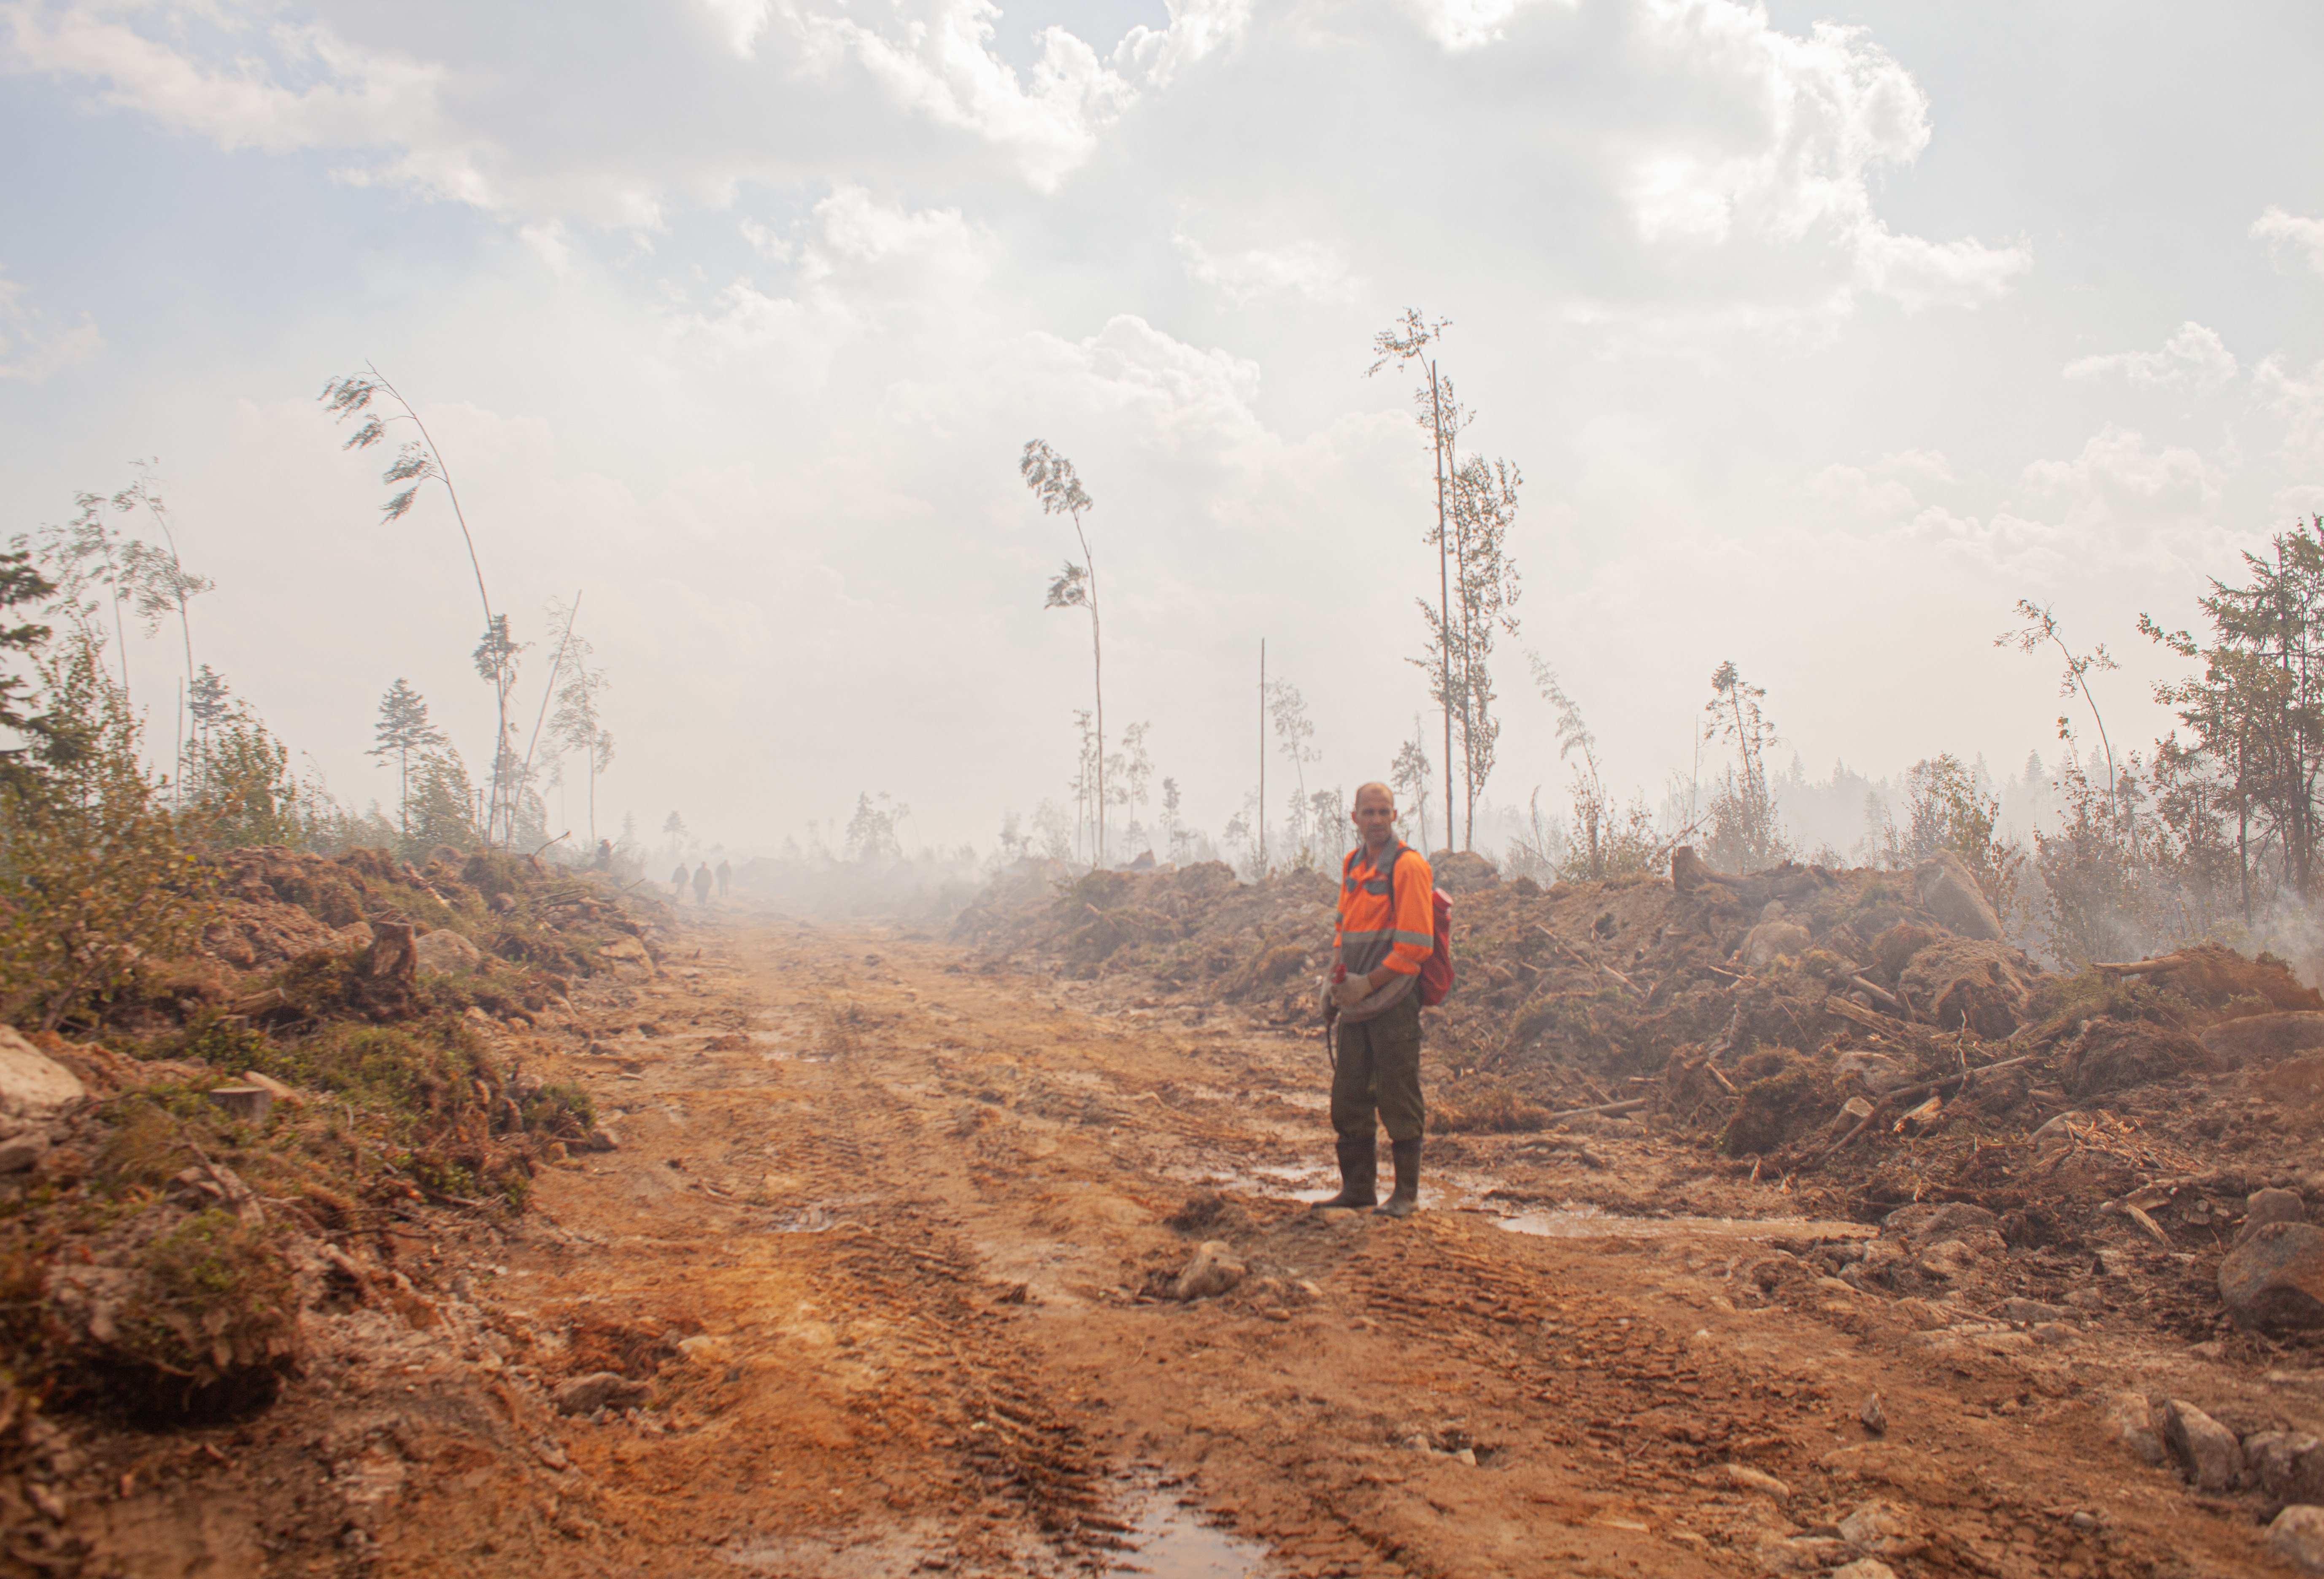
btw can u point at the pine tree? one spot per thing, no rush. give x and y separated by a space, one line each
402 728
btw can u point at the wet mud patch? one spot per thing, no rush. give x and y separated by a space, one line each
1170 1540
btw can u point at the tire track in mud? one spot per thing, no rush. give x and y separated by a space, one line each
1007 1442
962 1178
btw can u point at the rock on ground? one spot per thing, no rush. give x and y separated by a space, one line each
1876 1527
2263 1206
586 1395
2275 1278
2287 1464
1879 1073
2131 1422
1214 1270
1771 940
447 954
2206 1450
2298 1536
1949 892
1744 1478
33 1085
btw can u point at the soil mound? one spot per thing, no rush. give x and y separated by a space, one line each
2213 976
2111 1054
1970 984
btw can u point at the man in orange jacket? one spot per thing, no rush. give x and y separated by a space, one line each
1387 927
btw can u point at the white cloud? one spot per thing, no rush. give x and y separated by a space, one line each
1884 491
743 20
1198 29
457 124
2279 225
1810 121
1856 492
1466 24
2288 419
2194 357
1309 268
35 342
943 67
1919 466
1917 273
781 339
765 242
546 239
1178 399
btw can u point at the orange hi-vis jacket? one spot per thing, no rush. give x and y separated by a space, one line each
1380 924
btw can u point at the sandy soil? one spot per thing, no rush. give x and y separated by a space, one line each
889 1237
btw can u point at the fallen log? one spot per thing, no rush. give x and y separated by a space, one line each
1881 995
1848 1009
2141 966
1604 1109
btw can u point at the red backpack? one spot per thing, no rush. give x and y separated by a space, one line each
1436 970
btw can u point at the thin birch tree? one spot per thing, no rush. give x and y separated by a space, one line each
1055 483
1409 774
1407 340
418 461
70 550
159 582
1293 731
1460 640
2041 630
577 725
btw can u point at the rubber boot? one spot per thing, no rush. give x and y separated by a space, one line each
1358 1172
1406 1201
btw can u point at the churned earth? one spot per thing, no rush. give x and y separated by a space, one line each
879 1279
891 1241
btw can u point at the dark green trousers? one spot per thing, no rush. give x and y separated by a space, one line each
1378 1079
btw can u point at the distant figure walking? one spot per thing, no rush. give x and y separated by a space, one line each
677 882
702 881
605 861
725 877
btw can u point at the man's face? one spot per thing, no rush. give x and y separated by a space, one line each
1374 816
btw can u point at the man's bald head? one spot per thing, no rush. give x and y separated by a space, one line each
1374 814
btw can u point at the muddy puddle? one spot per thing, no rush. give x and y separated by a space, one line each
1174 1543
1585 1222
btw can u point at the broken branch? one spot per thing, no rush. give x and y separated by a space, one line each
1586 960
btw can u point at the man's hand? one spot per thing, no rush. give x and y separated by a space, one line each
1348 994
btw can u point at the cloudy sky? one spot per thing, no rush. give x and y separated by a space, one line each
1821 334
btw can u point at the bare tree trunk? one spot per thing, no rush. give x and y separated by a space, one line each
500 681
556 667
1097 664
1262 757
1443 591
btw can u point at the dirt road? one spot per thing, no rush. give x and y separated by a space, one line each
890 1239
